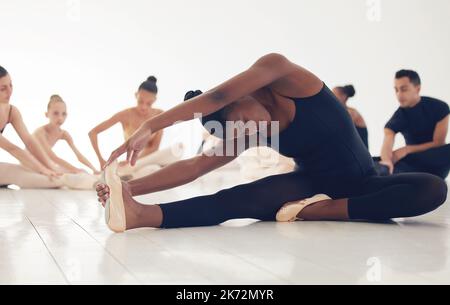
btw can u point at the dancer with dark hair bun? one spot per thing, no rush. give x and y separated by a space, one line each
151 158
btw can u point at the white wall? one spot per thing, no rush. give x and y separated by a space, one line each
95 53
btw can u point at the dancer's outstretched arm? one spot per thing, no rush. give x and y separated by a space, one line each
81 158
93 134
40 136
32 146
185 171
266 71
386 151
24 157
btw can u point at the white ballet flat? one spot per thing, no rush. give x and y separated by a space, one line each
114 207
289 212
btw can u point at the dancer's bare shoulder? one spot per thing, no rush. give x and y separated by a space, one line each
65 135
157 111
40 131
15 114
296 81
125 115
356 117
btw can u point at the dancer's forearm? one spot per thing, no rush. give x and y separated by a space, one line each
66 165
204 104
93 136
388 145
34 148
173 175
82 159
86 162
27 159
423 147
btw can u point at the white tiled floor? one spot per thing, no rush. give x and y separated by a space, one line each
59 237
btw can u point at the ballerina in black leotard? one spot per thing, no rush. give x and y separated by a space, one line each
314 129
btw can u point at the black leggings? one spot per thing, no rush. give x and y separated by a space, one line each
372 198
435 161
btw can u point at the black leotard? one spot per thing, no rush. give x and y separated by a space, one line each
323 140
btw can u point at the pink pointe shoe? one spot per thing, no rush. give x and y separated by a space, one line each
289 212
114 206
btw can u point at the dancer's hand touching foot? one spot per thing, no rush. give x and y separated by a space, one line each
137 215
123 163
102 193
133 146
49 173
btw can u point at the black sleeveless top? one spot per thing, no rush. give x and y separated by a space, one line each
323 140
